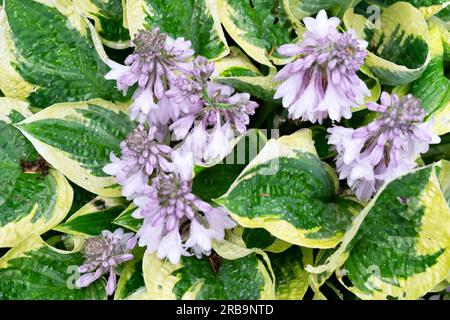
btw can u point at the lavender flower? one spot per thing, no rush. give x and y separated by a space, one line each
212 113
102 255
384 149
322 80
175 219
153 66
141 156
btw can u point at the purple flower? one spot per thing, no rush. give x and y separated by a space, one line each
153 65
102 255
322 80
175 219
141 156
211 113
386 148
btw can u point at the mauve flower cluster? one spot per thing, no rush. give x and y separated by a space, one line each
174 91
386 148
210 113
153 65
322 79
141 156
102 255
175 219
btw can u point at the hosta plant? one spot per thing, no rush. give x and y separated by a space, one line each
224 149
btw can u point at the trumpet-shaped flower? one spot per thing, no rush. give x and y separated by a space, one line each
141 156
216 114
322 79
386 148
176 220
102 255
153 66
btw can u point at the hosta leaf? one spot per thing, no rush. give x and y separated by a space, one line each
212 182
49 55
444 28
259 27
139 294
131 279
317 280
262 239
243 278
240 241
319 135
109 21
29 202
237 70
126 220
372 84
77 138
94 217
195 20
291 278
13 110
427 7
305 8
441 120
288 191
34 271
433 87
398 51
399 245
80 198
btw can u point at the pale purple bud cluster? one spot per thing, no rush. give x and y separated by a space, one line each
141 156
216 113
174 92
322 80
154 65
386 148
102 255
176 220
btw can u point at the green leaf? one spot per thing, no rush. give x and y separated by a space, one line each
80 198
49 55
13 146
77 139
126 220
399 245
304 8
257 238
212 182
427 7
317 280
195 20
319 135
239 72
291 278
398 51
433 87
244 278
94 217
108 16
34 271
262 239
259 27
131 278
288 191
29 202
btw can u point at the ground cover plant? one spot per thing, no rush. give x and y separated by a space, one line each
224 149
